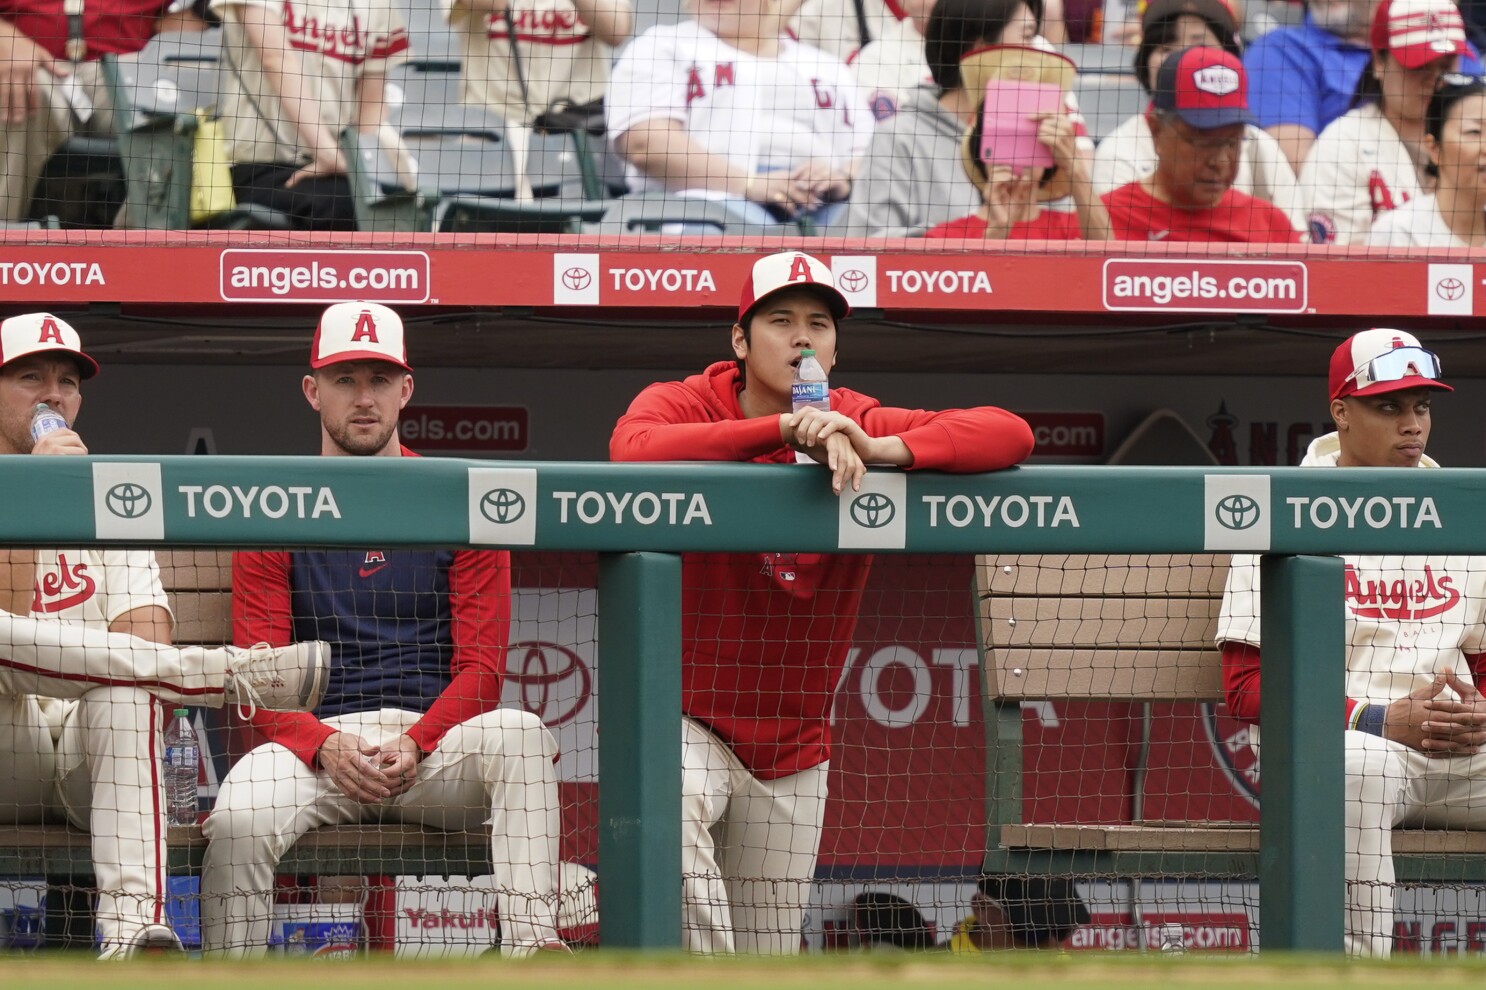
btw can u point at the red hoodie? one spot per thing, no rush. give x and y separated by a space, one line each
765 635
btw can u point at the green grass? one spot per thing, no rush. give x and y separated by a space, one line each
619 971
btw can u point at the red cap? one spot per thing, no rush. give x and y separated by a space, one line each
359 331
1206 87
1416 32
35 333
1361 349
790 270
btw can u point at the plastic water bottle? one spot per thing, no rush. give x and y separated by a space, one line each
810 390
182 757
1174 938
44 420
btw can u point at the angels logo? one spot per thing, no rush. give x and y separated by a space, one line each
69 586
1404 599
1232 744
1217 80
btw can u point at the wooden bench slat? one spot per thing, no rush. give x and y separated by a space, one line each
1211 837
202 617
1158 623
1118 675
192 569
1101 574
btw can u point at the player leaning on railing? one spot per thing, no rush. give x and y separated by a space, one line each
765 636
80 723
1416 641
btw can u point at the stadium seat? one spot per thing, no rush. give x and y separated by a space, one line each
1107 101
1096 59
662 213
81 186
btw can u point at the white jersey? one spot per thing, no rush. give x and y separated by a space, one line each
1357 170
95 586
1128 154
761 114
1416 223
337 41
561 58
1407 617
831 25
891 66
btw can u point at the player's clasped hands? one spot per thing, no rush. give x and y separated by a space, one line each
365 772
835 440
1433 723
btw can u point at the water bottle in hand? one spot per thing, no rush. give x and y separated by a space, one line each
810 390
44 420
182 757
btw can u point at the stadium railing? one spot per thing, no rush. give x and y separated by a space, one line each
574 506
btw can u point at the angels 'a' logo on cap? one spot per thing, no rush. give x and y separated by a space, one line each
366 328
50 333
799 270
1218 80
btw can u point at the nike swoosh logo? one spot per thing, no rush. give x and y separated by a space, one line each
369 571
1157 235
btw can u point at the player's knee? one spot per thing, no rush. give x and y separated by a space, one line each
511 731
118 706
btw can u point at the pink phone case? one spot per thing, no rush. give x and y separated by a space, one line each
1008 132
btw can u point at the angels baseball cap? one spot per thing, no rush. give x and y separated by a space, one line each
1377 361
359 331
35 333
790 270
1206 87
1216 13
1416 32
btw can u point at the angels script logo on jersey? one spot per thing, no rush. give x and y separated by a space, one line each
58 591
1404 599
1219 80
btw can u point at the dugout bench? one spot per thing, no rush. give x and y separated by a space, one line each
199 583
1126 628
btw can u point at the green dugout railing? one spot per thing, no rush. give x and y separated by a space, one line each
640 517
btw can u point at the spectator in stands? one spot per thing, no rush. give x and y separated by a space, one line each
80 732
1128 152
1415 721
296 73
883 921
51 87
892 65
410 729
1009 206
846 27
1305 77
523 58
765 636
911 179
1019 912
723 106
1371 160
1198 115
1455 140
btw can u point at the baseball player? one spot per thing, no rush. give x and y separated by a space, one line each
80 724
1370 160
725 107
409 730
1416 640
765 636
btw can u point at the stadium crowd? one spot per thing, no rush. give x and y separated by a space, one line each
953 119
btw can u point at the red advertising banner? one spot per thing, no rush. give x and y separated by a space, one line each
471 429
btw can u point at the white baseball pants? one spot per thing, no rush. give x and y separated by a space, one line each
1390 785
95 763
495 769
748 849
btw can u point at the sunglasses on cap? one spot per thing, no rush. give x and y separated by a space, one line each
1460 79
1396 364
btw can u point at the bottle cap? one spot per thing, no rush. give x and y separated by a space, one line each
807 353
183 711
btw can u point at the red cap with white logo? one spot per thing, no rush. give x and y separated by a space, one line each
36 333
790 270
1416 32
359 331
1377 361
1206 87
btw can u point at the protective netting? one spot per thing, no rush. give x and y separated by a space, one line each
967 120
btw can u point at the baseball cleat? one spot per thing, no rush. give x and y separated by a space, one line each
279 678
152 940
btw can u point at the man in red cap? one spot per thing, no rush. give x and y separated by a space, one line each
80 719
1199 110
765 635
410 729
1415 721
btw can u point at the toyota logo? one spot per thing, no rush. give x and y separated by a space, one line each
577 279
502 506
128 500
872 510
1449 289
1237 512
553 682
854 280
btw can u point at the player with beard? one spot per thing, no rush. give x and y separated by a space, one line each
409 730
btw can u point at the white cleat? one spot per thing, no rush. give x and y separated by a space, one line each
279 678
152 940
